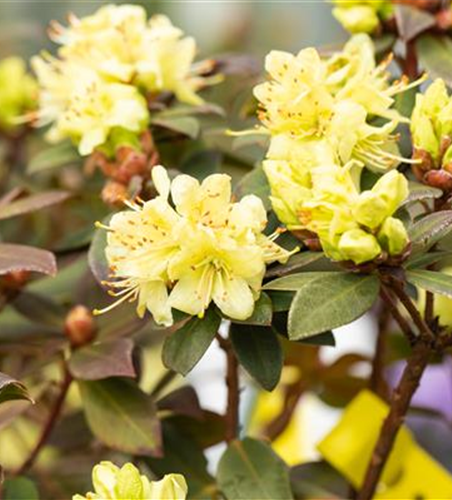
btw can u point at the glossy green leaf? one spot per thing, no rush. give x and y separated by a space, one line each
24 258
259 352
255 183
40 309
432 281
11 389
435 56
322 339
429 230
121 415
102 360
296 262
54 157
329 302
97 259
294 282
184 348
262 314
418 191
423 260
202 163
186 125
251 470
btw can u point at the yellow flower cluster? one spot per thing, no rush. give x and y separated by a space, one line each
431 124
18 93
318 114
202 248
362 16
106 65
113 483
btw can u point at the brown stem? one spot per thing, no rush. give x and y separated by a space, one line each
279 424
50 423
232 382
412 310
400 403
410 67
389 300
377 382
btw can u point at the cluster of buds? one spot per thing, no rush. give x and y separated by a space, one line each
362 16
18 94
108 64
202 248
431 130
113 483
318 113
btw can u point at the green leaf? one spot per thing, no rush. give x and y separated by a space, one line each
54 157
420 191
429 230
419 261
97 259
332 301
121 415
262 314
435 56
184 348
11 389
251 470
202 163
412 21
259 352
102 360
324 339
32 203
24 258
296 262
19 488
39 309
281 300
294 282
432 281
255 183
185 125
183 455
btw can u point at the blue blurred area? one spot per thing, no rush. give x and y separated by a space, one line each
254 27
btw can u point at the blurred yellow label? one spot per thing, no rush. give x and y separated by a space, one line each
410 472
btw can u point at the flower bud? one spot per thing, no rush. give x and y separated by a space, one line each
114 193
393 189
357 18
440 179
79 326
370 210
393 236
358 246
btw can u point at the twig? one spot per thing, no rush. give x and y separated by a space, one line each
232 382
386 295
377 382
50 423
162 383
400 403
279 424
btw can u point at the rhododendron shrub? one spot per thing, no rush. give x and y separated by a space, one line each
159 203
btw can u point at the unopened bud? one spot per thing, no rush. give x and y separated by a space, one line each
393 236
114 193
440 179
79 326
15 280
130 163
358 246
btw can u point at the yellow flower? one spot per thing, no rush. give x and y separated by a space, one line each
361 15
431 119
18 92
205 249
113 483
121 44
84 107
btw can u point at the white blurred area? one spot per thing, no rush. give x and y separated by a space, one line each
314 418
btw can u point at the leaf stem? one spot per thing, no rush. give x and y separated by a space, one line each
233 385
49 424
